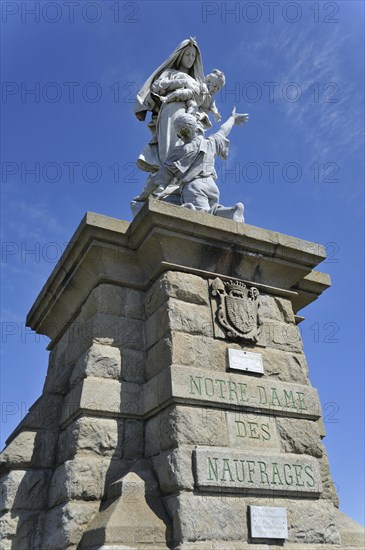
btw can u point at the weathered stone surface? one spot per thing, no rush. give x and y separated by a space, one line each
299 436
158 357
285 366
7 544
12 524
206 352
83 478
130 521
30 448
65 524
298 368
24 489
133 442
157 325
207 518
233 390
59 371
143 468
105 298
250 430
133 366
102 396
99 436
278 335
101 361
117 331
229 545
190 318
276 309
134 304
114 300
173 469
21 529
182 286
329 489
262 472
189 349
179 348
8 524
44 414
176 315
352 533
321 427
277 364
76 339
181 425
286 309
312 523
104 329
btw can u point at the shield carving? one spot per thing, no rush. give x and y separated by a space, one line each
241 313
237 310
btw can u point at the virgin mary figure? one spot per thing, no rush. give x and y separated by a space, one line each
183 69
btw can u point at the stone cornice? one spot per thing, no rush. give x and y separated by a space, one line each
165 237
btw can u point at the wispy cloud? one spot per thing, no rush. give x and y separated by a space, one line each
33 240
330 127
317 66
30 221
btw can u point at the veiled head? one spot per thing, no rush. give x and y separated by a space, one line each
188 57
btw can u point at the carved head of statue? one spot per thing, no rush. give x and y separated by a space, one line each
188 58
187 55
186 127
215 81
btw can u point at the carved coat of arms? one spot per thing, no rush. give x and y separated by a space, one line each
237 309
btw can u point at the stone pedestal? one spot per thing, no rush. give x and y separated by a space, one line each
146 434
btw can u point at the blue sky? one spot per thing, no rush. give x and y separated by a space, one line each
297 165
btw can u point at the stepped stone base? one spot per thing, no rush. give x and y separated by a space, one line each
146 436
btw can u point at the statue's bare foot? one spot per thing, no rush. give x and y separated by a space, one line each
238 210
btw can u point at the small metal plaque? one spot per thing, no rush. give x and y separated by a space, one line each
245 361
268 522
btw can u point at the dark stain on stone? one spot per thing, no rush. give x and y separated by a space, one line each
226 261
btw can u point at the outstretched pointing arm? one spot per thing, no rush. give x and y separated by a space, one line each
235 118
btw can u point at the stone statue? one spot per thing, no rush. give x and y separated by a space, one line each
182 70
179 158
204 100
188 176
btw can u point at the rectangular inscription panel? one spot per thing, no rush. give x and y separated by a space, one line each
245 361
252 430
263 472
273 397
268 522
